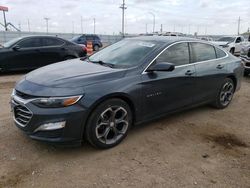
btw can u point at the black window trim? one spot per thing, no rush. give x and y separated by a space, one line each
216 59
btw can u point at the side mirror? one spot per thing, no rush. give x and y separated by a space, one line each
164 66
16 48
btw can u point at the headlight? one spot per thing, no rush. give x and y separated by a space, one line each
56 102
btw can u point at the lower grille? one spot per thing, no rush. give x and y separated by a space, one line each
247 64
22 115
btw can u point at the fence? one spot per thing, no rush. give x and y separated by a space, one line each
8 35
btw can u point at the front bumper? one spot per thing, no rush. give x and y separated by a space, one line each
28 117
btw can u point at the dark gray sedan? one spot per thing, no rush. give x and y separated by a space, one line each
133 81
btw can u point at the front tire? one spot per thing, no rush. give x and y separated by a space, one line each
232 51
225 94
108 124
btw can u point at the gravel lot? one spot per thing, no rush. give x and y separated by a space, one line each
202 147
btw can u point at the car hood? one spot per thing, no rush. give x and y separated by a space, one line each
73 73
220 43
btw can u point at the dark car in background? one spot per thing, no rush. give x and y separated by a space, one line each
31 52
130 82
83 39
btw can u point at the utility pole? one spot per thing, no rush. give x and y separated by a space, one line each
29 25
153 21
189 29
94 25
19 25
47 24
123 7
146 28
161 29
81 25
239 25
73 27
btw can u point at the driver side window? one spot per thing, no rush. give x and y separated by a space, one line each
178 54
30 43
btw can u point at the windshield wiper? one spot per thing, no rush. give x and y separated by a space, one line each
103 63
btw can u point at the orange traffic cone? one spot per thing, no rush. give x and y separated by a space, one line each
89 48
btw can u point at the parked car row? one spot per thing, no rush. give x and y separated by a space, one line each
31 52
233 44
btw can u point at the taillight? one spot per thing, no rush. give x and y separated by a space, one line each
84 48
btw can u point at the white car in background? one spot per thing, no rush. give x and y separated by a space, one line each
233 44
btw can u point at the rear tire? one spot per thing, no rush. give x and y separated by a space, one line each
225 94
96 48
108 124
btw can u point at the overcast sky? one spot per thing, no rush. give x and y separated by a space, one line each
204 16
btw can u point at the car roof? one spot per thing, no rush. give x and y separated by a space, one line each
165 39
35 36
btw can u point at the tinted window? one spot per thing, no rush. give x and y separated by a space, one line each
238 40
177 54
220 53
82 38
52 42
202 52
31 42
89 37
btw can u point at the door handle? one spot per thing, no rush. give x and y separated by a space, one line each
189 72
220 66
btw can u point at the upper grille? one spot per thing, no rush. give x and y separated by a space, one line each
22 115
23 95
247 64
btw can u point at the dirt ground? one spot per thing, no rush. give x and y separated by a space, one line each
203 147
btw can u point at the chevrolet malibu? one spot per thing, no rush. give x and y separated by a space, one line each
133 81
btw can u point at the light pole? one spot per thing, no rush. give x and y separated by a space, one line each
47 23
94 25
153 21
81 25
123 7
29 25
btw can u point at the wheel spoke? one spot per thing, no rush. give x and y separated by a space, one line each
112 124
226 94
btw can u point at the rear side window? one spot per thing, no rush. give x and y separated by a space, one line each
89 37
178 54
220 53
202 52
52 42
30 43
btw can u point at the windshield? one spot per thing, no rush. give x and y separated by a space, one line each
227 39
124 54
11 42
